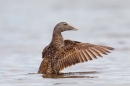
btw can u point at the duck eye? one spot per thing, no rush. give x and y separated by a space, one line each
65 24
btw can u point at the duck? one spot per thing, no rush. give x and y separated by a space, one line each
60 53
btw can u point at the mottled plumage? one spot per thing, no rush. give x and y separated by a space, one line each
61 53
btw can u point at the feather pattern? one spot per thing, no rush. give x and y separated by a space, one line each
77 53
61 53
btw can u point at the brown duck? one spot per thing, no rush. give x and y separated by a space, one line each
61 53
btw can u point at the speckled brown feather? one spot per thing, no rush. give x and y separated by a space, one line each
77 52
61 53
44 66
47 55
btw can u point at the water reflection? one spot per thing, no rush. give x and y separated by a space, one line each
72 75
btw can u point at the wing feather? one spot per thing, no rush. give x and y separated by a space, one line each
98 50
90 53
95 52
81 57
84 56
87 55
76 52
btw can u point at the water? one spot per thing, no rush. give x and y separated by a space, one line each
26 28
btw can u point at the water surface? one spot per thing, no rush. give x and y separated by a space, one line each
26 28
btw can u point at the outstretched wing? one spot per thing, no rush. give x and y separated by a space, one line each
76 52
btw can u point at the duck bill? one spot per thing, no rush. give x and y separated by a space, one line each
75 29
72 28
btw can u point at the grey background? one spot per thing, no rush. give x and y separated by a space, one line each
26 28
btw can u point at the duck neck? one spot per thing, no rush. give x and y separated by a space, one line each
57 39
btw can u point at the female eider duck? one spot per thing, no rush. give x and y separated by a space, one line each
61 53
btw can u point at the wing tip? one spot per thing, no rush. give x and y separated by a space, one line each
110 48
